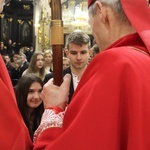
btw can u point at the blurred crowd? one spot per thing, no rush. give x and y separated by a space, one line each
23 60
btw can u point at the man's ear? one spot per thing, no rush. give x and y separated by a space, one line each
103 11
98 6
66 52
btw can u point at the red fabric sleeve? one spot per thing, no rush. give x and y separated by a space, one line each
47 137
14 134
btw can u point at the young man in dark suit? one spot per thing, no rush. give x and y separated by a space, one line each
78 52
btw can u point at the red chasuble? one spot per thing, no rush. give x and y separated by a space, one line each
14 135
110 109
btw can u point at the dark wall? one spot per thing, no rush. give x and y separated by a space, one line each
16 22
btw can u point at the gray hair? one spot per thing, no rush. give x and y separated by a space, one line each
115 5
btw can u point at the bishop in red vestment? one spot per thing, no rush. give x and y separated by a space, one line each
110 109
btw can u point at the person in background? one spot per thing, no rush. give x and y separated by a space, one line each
14 47
14 134
48 57
25 63
3 49
21 51
95 50
28 90
29 53
110 109
16 71
10 50
77 51
37 66
66 63
8 63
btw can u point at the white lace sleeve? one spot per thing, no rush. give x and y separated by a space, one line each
49 119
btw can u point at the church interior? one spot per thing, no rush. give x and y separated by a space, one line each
27 22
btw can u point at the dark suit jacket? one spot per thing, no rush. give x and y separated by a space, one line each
68 70
24 66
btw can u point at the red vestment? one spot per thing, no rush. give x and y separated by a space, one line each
110 109
14 134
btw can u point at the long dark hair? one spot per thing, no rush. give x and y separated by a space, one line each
32 66
21 91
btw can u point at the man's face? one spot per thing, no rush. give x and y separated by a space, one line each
78 55
7 59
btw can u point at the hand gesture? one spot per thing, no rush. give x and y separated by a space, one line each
53 95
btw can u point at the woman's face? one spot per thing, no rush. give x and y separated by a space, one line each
65 64
33 98
40 61
48 58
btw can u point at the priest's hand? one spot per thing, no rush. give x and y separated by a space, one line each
56 96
